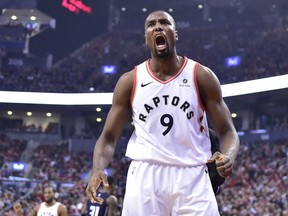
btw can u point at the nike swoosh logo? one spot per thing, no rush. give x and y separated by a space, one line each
143 85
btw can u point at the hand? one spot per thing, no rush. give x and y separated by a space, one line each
94 183
224 164
18 209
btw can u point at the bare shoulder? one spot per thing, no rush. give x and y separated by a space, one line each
126 80
208 84
205 74
123 88
35 211
127 75
62 210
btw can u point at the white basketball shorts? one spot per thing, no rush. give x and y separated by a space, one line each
162 190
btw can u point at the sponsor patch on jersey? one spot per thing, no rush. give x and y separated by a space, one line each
184 83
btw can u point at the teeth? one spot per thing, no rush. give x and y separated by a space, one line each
161 47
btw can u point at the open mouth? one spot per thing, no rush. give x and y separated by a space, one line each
160 42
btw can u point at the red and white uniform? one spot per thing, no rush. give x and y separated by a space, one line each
169 147
48 211
170 123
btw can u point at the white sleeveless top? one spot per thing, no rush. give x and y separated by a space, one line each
169 118
48 211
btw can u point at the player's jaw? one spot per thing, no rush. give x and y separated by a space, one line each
48 199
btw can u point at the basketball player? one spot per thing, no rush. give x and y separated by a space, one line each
49 207
109 204
169 96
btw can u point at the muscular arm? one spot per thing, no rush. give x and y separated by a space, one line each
112 203
117 118
34 211
19 211
62 210
218 112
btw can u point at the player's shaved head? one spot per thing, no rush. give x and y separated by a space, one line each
159 13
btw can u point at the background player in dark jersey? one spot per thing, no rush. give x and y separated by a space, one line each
216 179
109 204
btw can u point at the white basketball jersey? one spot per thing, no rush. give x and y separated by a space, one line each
45 211
169 118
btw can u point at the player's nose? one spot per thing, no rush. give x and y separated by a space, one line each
158 26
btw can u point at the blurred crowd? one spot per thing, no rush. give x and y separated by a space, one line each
261 48
92 130
10 151
258 186
50 128
55 162
259 183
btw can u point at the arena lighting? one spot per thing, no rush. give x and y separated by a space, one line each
109 69
48 114
240 133
233 61
229 90
14 17
33 18
258 131
75 6
255 86
200 6
23 16
18 166
56 98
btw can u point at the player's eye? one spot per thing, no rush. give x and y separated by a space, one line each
151 24
165 22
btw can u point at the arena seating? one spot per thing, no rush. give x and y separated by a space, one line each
259 184
261 48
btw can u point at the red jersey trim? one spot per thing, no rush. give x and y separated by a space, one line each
197 87
172 78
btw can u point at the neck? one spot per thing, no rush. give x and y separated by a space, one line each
50 202
166 66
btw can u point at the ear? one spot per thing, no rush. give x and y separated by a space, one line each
145 39
176 35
